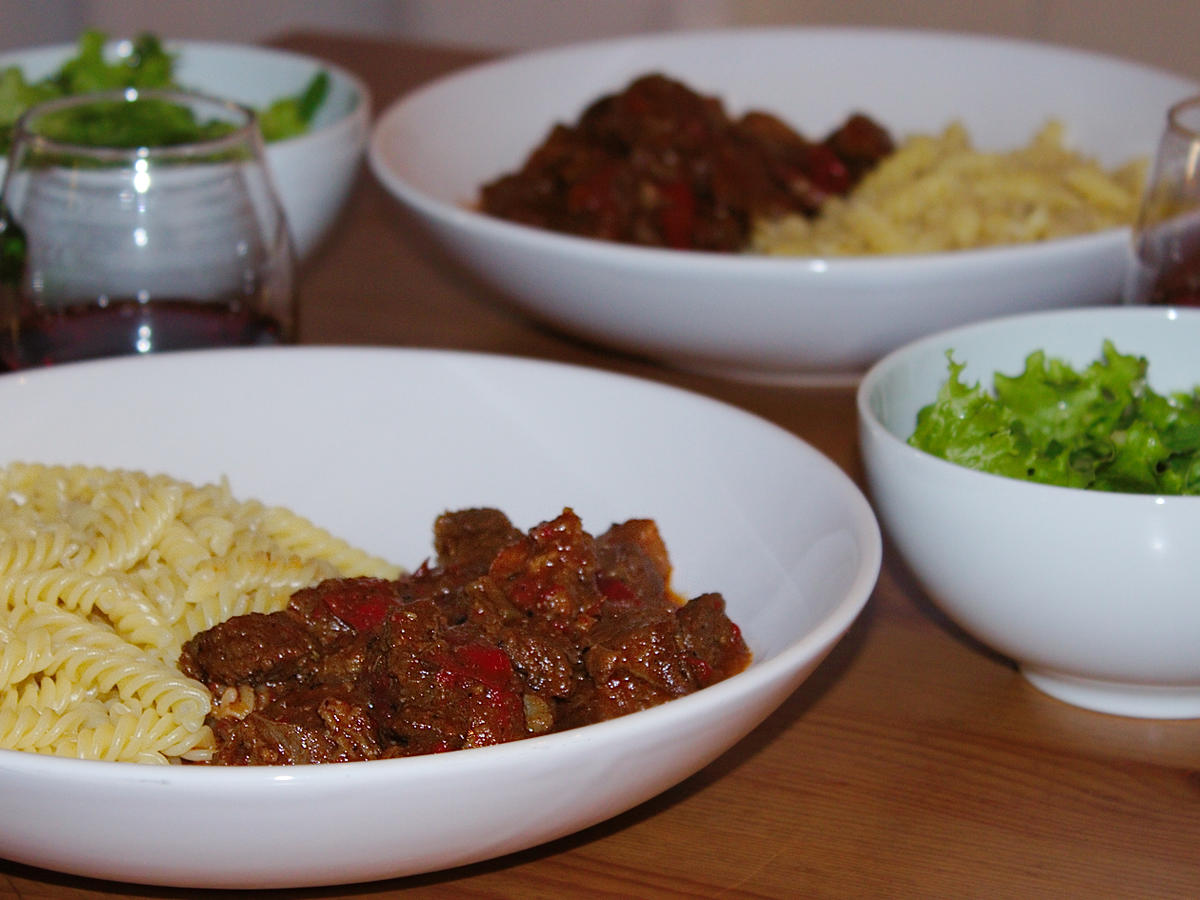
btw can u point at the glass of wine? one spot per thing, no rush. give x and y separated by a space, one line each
139 222
1166 236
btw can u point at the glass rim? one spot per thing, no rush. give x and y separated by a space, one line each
1175 113
240 133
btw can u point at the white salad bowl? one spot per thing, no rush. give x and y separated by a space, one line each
1093 594
313 172
359 441
780 319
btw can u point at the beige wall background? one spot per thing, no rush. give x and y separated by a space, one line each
1160 32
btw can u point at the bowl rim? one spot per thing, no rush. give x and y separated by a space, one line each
817 30
760 675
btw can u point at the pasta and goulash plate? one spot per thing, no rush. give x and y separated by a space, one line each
147 619
658 164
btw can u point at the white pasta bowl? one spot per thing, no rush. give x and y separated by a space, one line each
1091 593
750 316
313 172
359 441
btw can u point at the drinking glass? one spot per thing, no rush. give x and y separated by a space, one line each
1166 237
115 239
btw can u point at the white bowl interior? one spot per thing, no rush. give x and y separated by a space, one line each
361 442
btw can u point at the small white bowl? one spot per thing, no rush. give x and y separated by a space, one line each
1093 594
314 171
751 316
361 442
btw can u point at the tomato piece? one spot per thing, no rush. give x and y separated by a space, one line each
362 606
702 671
826 171
490 665
677 215
617 591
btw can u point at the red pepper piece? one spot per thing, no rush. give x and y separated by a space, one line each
617 591
481 663
362 606
677 214
489 665
826 171
702 671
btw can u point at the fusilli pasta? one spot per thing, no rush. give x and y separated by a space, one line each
105 574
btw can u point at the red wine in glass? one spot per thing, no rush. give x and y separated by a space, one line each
118 248
125 327
1166 236
1176 285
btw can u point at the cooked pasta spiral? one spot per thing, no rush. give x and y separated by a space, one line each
105 574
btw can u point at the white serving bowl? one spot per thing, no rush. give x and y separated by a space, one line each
742 315
1093 594
313 172
360 441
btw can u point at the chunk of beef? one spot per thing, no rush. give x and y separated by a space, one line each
551 573
802 174
343 664
548 663
250 649
861 144
468 540
446 693
635 662
633 564
302 728
485 606
714 644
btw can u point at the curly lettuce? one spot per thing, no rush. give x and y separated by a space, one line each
1101 428
148 65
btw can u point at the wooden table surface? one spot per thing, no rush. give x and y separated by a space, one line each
913 763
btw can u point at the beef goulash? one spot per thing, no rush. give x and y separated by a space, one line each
660 165
505 635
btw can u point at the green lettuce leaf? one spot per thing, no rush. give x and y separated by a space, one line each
148 66
1102 427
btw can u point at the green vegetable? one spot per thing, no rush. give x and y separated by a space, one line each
144 122
17 95
147 66
1102 428
290 116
